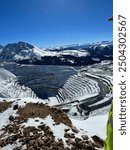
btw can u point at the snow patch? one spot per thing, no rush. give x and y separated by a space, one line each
95 125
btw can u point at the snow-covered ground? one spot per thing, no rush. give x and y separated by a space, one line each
95 125
76 53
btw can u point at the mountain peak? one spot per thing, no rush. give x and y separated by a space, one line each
19 46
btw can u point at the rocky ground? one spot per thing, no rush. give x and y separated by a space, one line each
33 125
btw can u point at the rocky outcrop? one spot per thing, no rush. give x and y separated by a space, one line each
42 137
32 110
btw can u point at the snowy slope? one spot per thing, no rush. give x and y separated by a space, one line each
64 133
75 53
90 125
10 88
5 74
19 51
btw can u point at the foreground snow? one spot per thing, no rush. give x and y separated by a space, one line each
95 125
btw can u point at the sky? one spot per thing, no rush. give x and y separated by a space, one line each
48 23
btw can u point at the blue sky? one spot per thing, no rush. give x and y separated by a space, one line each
46 23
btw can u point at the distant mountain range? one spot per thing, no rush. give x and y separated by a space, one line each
75 55
1 46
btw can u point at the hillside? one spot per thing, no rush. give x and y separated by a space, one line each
30 124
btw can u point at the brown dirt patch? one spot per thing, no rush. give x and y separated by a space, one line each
32 110
4 106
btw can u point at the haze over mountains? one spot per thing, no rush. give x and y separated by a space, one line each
75 55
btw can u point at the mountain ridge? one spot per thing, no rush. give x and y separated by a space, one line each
77 55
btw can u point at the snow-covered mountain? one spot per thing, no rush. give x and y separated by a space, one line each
24 51
81 46
20 51
85 54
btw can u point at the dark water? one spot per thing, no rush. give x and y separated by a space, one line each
43 80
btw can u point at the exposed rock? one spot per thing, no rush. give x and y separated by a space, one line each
69 135
11 118
36 120
70 142
85 137
98 142
15 107
77 140
66 130
74 129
